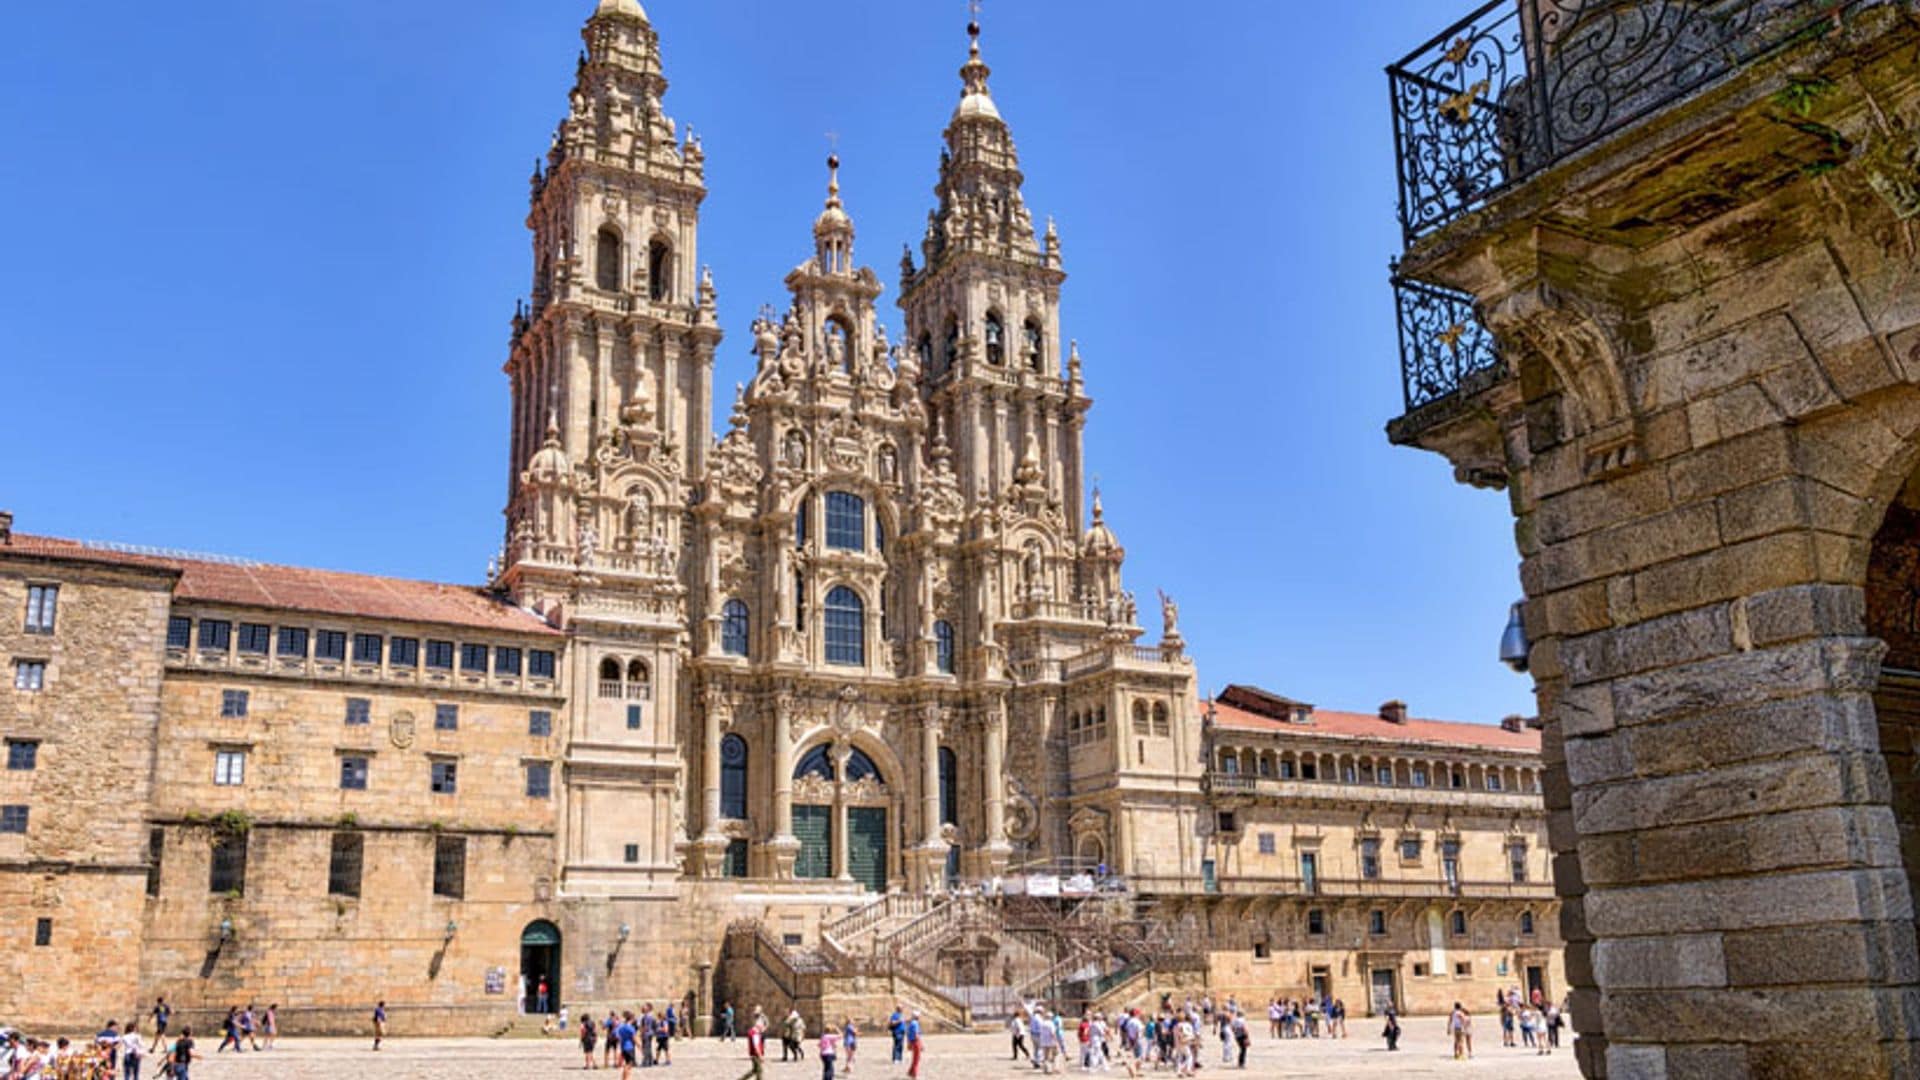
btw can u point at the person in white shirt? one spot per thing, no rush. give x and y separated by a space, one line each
133 1049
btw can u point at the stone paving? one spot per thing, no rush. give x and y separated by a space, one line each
1423 1053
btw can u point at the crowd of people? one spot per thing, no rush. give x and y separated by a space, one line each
118 1050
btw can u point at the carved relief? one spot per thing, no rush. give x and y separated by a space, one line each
1545 324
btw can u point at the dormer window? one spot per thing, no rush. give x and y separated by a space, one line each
1301 714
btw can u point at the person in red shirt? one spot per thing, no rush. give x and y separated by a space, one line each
756 1050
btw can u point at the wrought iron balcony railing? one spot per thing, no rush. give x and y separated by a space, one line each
1442 341
1521 84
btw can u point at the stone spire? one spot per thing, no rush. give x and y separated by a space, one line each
616 115
981 209
833 229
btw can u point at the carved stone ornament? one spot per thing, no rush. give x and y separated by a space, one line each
400 730
1543 323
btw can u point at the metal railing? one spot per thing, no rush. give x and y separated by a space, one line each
1442 341
1521 84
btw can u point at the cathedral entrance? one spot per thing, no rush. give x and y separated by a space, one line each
540 965
867 846
841 814
813 825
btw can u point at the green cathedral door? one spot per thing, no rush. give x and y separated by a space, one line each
867 846
814 826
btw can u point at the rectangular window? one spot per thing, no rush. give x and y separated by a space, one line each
446 777
41 602
1227 822
23 755
156 846
473 658
1463 969
293 641
215 635
229 767
254 638
1376 922
539 723
42 932
539 780
540 664
446 718
1370 859
506 660
1459 924
343 868
353 774
1287 769
179 631
1517 861
13 818
227 871
1410 849
1261 950
29 675
440 655
1450 861
736 858
233 704
1493 781
846 521
1419 777
1316 921
1266 843
366 648
1385 776
1419 970
633 853
633 718
359 711
330 645
450 867
403 652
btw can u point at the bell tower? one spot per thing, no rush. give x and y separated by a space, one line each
982 316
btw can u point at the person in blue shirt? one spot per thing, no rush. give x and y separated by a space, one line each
913 1044
897 1027
625 1034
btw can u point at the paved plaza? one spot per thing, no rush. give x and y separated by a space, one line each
1424 1052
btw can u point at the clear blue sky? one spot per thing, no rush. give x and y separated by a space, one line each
262 258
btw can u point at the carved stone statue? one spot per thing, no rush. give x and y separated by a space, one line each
639 512
589 542
1169 616
796 450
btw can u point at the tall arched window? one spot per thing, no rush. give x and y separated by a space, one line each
1035 346
950 350
949 788
610 677
606 260
734 625
860 767
660 270
733 777
925 354
996 341
846 627
815 762
846 521
943 646
637 672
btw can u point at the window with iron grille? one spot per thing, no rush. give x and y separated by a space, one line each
345 863
403 652
254 638
846 521
506 660
353 773
13 818
366 648
440 655
29 674
473 658
540 664
450 867
233 704
539 722
846 627
293 641
215 635
42 600
446 778
227 870
330 645
230 768
179 631
446 718
359 711
539 780
23 755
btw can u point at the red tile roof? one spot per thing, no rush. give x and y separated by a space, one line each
294 588
1346 725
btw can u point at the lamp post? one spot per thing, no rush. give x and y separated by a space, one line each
226 929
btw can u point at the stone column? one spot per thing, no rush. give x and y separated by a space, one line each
838 857
713 843
997 849
784 845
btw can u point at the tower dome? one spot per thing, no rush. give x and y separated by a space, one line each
629 8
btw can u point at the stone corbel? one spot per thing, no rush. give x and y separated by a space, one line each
1542 322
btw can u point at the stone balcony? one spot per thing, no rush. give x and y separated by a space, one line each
311 668
1239 786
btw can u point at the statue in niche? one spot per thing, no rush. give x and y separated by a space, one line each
589 541
1031 571
796 449
639 513
889 465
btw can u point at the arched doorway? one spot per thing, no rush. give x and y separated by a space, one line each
1893 616
540 962
840 815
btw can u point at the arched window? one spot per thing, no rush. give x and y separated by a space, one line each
610 677
943 646
846 627
1140 725
733 777
996 341
860 767
925 353
733 628
1161 726
1526 923
846 521
606 260
950 350
1459 924
660 270
815 762
637 672
800 525
1035 344
949 788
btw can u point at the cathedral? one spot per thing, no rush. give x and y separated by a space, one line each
846 706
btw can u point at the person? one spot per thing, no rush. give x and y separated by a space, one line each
624 1034
270 1025
1273 1018
182 1055
133 1050
756 1049
829 1041
612 1042
1555 1020
1017 1028
1529 1021
248 1027
1241 1036
1040 1029
849 1039
649 1029
1085 1034
162 1013
540 995
913 1044
896 1027
108 1040
589 1035
1460 1026
379 1023
230 1031
1508 1008
663 1032
726 1023
1224 1029
1392 1032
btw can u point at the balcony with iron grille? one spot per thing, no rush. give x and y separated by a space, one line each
1532 115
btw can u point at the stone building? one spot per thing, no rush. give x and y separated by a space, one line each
1660 286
